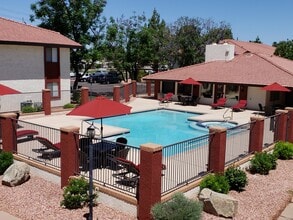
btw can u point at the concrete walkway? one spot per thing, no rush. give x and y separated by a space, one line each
287 213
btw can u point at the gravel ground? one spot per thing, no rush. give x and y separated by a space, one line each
264 198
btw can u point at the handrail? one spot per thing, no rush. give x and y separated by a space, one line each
228 117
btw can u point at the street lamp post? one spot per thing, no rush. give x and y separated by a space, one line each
91 135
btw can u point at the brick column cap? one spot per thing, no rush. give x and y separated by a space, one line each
46 90
150 147
84 88
217 129
289 108
281 111
257 118
70 128
8 115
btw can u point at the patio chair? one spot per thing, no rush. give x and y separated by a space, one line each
129 174
167 98
221 102
50 150
240 106
29 134
121 151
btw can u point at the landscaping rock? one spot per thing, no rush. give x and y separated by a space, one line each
16 174
218 204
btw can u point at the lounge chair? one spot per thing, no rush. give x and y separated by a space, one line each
121 151
241 105
29 134
167 98
129 174
50 149
221 102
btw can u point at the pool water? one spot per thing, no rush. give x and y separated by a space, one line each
162 127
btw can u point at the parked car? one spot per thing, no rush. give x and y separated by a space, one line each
84 77
104 77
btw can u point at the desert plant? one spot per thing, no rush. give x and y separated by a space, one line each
236 178
69 105
283 150
76 195
28 109
179 207
6 159
262 163
216 182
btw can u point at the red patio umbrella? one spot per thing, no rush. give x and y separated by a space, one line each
5 90
276 87
101 107
190 81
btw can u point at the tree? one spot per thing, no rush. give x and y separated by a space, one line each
78 20
284 49
257 40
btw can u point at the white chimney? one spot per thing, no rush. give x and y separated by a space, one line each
219 52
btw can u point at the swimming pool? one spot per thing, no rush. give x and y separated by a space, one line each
162 127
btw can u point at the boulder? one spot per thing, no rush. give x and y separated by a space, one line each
218 204
16 174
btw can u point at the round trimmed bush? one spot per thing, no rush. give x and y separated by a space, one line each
283 150
262 163
179 207
216 182
236 178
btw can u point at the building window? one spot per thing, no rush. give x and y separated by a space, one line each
54 87
232 92
207 90
51 55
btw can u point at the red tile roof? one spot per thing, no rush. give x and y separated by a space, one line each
12 32
253 64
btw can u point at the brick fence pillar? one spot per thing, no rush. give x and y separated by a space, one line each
150 179
8 132
290 124
46 98
149 88
126 92
256 134
69 153
217 149
84 96
134 88
281 125
116 93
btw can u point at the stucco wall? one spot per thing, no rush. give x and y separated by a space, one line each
255 95
21 62
22 68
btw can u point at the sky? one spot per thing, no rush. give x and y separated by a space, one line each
270 20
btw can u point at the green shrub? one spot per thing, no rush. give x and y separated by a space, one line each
69 105
28 109
283 150
6 159
216 182
236 178
76 195
262 163
179 207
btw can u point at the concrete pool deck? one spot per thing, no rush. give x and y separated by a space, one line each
60 119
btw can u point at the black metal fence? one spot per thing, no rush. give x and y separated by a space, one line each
237 143
39 143
185 162
107 169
